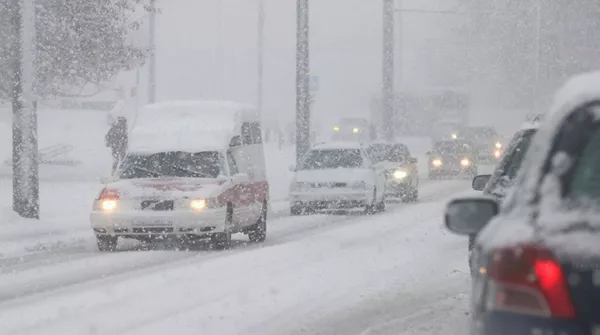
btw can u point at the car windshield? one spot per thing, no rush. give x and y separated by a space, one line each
171 164
451 147
332 159
388 152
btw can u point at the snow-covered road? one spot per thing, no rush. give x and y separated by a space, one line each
394 273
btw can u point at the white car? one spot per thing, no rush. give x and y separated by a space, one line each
185 177
337 176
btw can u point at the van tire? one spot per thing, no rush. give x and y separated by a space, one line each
107 243
258 232
222 241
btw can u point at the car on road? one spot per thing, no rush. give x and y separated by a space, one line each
487 142
184 177
401 170
353 129
452 158
505 172
337 176
537 256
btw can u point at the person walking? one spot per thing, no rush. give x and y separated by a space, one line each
117 140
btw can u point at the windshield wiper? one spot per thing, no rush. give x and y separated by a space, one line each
195 173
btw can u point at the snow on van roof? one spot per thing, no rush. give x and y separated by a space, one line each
338 145
188 125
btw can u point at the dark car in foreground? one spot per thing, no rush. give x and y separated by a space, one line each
503 176
452 158
538 255
402 174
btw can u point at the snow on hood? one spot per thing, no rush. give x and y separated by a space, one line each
167 187
332 175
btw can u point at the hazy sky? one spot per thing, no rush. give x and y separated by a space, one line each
196 59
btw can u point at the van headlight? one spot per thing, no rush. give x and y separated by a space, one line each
198 204
399 174
109 205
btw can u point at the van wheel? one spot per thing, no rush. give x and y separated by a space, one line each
107 243
222 241
258 232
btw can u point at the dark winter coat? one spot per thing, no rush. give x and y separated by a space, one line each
116 138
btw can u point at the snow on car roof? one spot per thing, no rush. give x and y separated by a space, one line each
338 145
188 125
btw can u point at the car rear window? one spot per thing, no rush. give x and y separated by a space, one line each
332 159
586 177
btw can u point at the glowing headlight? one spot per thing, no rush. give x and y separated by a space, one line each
454 136
399 174
436 162
336 129
198 204
497 153
109 204
465 162
498 145
355 130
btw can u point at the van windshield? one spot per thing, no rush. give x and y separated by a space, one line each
172 164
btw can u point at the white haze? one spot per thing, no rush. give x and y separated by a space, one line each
346 47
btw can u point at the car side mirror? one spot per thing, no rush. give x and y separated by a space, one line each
428 153
480 181
413 160
240 178
467 216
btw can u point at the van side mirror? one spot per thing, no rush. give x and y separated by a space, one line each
467 216
480 181
236 141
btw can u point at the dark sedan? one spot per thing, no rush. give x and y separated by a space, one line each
538 260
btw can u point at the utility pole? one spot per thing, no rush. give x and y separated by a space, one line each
302 80
25 149
260 46
152 63
538 33
387 93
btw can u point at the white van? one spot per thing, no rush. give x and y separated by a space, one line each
194 169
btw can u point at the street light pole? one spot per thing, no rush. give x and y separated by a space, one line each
538 28
302 80
25 146
387 93
261 32
152 63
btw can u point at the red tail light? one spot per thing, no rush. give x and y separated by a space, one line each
109 193
528 279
